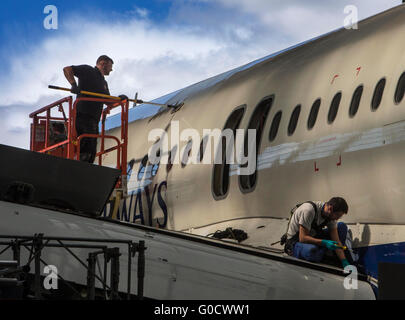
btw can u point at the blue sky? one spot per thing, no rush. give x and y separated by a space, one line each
22 21
158 46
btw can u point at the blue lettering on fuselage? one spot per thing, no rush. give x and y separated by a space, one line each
138 203
150 202
162 205
126 212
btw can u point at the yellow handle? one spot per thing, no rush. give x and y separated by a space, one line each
112 97
100 95
343 247
88 93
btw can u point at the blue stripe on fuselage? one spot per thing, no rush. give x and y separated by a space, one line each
370 256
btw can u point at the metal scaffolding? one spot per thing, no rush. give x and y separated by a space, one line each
14 274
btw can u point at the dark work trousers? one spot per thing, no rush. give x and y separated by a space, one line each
88 146
316 253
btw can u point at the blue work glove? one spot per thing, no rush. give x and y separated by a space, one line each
75 89
345 263
329 244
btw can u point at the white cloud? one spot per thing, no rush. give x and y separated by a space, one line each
142 12
133 44
302 20
14 125
152 60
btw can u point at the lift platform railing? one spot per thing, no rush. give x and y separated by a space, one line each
56 135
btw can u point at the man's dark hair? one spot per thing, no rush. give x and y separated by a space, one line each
104 58
339 204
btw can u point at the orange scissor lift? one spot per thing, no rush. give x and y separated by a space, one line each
54 133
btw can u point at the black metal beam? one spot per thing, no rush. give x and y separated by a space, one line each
51 182
91 276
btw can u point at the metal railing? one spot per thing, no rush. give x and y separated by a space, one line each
36 244
69 147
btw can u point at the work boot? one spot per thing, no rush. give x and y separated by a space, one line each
353 254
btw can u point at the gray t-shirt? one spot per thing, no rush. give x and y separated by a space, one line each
304 216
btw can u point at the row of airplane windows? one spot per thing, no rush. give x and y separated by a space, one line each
220 181
247 183
334 107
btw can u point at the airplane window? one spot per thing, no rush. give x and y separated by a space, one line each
155 167
203 145
186 154
130 167
313 114
400 91
294 120
334 106
354 105
257 122
378 93
171 155
142 167
220 179
169 164
274 126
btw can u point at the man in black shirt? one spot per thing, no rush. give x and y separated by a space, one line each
88 112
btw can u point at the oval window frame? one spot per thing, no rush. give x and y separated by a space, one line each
143 165
334 107
257 121
273 133
292 124
378 92
220 180
171 156
155 167
186 154
203 146
313 114
400 89
356 100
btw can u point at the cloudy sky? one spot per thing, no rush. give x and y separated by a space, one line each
158 46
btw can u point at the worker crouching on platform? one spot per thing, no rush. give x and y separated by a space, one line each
308 239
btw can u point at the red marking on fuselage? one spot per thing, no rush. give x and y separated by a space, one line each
328 140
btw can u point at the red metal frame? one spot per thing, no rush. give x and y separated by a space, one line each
70 147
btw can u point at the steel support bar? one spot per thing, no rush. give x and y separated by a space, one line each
141 268
16 251
91 276
8 264
115 272
37 242
66 239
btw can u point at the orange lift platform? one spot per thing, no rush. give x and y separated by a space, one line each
54 133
